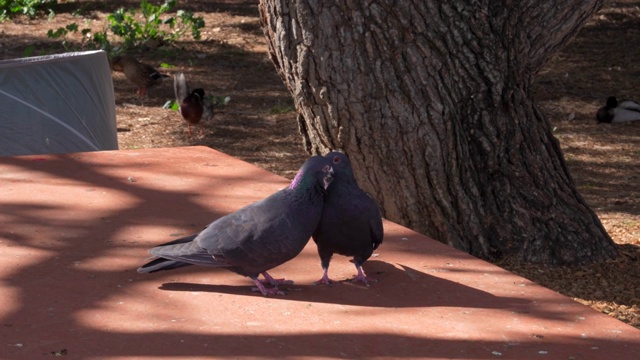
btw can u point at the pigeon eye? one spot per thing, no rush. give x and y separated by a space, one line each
326 168
336 159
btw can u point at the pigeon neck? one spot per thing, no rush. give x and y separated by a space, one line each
296 180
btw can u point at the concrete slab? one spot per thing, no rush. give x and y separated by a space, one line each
74 228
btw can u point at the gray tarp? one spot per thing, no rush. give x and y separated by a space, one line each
57 104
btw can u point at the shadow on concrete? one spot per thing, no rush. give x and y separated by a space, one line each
397 287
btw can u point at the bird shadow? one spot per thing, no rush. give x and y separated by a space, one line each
396 287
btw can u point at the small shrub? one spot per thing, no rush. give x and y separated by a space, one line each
96 41
9 8
153 26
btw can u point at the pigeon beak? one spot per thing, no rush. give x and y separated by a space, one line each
328 178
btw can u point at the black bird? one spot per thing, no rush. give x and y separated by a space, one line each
259 236
614 112
351 223
193 104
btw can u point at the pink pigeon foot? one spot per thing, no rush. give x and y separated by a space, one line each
362 277
266 291
325 279
268 279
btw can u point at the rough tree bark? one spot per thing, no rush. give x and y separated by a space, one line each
431 101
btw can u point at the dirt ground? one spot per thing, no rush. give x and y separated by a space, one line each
258 125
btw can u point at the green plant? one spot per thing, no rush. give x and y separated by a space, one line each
281 108
62 33
28 51
98 40
8 8
153 26
124 25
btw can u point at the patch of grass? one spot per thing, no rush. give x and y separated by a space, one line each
281 108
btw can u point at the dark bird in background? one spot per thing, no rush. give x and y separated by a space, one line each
193 104
259 236
614 112
142 75
351 223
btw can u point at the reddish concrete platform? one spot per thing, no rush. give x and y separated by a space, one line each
74 228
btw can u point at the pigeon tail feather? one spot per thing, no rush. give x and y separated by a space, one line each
160 264
180 87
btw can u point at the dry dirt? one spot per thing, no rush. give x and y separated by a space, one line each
258 125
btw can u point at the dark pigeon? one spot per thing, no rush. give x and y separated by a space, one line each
194 105
259 236
351 223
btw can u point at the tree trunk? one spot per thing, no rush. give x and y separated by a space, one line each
431 101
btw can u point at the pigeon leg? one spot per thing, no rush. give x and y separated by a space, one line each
268 279
325 278
260 287
362 277
190 133
201 130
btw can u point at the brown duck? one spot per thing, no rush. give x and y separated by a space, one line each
193 104
142 75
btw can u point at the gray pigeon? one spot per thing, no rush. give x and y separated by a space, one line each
259 236
351 223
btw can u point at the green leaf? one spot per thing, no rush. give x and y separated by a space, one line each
167 105
58 33
171 105
29 50
72 27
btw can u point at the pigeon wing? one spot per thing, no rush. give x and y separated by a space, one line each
624 115
257 237
629 105
188 251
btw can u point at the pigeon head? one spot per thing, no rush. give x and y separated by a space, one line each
612 102
341 165
199 92
316 171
